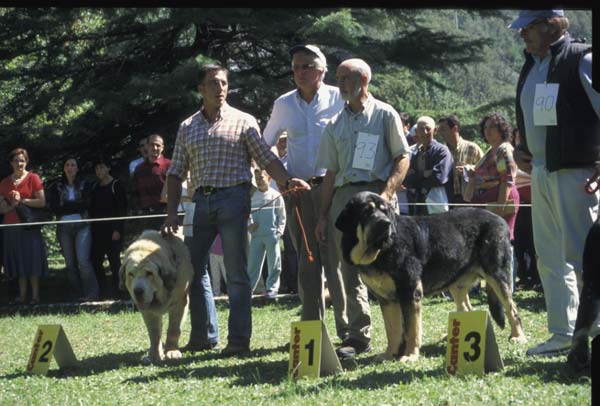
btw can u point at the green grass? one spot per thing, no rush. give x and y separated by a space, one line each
109 348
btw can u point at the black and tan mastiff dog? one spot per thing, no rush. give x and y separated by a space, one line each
589 301
402 258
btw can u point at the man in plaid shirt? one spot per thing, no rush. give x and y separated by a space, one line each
216 146
466 154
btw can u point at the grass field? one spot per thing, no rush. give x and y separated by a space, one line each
109 348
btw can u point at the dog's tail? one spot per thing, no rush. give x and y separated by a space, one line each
496 308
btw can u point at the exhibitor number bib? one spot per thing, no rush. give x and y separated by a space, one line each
544 104
364 153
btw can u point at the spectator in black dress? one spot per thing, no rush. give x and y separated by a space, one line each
108 199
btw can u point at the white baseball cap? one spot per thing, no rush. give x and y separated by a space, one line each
313 49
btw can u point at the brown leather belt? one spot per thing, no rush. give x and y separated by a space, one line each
209 190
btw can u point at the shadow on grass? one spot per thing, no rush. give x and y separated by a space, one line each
533 302
556 370
247 370
92 366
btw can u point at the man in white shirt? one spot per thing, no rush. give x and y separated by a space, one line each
303 113
142 150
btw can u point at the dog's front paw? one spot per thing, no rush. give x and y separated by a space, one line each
386 356
520 339
153 357
173 354
409 357
579 358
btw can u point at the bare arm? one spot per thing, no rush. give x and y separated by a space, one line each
171 225
38 201
396 177
277 171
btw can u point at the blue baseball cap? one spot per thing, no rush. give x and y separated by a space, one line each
526 17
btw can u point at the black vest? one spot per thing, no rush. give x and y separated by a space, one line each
575 141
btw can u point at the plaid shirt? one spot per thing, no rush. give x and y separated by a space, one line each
466 153
218 154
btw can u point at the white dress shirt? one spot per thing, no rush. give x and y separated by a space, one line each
304 123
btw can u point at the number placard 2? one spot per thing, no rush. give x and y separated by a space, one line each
472 347
50 340
311 351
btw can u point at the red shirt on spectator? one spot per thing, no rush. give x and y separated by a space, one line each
148 181
27 188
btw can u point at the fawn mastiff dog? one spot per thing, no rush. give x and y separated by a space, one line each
157 272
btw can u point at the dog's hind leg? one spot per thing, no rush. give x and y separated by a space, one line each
460 291
579 356
589 301
154 326
394 322
500 298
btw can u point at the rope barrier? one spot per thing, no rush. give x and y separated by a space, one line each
144 216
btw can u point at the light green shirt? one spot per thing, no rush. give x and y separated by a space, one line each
338 144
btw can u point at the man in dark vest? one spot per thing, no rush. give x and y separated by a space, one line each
557 114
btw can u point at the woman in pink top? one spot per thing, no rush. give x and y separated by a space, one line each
495 174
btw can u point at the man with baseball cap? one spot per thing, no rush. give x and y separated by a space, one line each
558 115
302 114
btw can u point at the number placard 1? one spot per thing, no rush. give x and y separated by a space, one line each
50 341
311 351
472 347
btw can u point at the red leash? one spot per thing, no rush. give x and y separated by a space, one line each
310 255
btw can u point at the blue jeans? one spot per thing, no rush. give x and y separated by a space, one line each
226 212
76 243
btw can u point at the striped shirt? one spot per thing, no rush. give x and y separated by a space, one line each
218 154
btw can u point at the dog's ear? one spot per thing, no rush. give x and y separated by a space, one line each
345 221
168 275
168 263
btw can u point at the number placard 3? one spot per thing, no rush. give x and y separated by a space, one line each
472 347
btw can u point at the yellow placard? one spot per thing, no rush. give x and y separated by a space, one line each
50 341
311 352
471 344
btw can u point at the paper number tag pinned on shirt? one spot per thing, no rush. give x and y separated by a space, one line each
544 104
364 153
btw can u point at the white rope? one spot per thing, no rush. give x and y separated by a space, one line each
43 223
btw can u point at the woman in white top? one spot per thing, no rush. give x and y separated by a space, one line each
70 200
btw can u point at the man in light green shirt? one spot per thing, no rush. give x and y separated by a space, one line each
363 148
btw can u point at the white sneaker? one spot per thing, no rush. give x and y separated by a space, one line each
557 345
